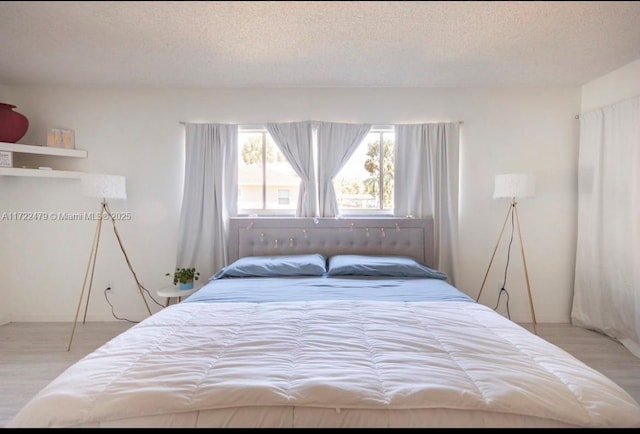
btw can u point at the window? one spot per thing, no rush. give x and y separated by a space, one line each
266 180
283 197
365 183
267 184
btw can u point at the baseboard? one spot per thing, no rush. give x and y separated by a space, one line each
92 318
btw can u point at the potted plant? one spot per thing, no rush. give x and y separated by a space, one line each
184 276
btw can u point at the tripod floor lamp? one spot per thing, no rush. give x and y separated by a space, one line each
513 187
103 187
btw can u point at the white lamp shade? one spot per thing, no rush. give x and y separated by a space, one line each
513 185
104 186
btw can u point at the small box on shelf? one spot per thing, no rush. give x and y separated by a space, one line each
6 159
61 138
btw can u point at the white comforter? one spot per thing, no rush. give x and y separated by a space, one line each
433 363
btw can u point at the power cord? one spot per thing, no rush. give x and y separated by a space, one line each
135 276
113 312
504 282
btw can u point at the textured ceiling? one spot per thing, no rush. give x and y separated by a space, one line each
308 43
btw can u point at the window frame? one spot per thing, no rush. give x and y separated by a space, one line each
380 211
249 212
261 212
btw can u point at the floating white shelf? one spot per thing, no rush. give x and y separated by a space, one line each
42 150
40 173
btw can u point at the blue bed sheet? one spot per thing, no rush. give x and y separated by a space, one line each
278 289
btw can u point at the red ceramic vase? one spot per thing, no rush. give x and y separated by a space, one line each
13 125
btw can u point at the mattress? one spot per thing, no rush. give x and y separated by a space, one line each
430 358
310 288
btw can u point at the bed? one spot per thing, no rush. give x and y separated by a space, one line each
329 323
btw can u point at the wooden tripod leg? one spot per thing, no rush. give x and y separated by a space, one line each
86 308
526 273
494 250
92 260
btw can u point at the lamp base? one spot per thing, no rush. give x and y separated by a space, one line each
512 211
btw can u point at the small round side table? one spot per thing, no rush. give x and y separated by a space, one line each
170 292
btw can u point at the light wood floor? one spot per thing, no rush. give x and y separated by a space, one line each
33 354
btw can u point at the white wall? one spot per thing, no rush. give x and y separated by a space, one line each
136 133
616 86
6 96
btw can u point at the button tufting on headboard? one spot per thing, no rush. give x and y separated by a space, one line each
261 236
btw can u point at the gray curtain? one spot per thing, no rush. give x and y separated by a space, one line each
210 196
336 144
426 183
295 140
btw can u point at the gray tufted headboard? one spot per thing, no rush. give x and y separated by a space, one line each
261 236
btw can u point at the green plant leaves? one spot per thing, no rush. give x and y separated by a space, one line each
184 275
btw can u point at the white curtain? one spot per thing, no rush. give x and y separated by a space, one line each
607 278
426 183
336 144
210 196
295 140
